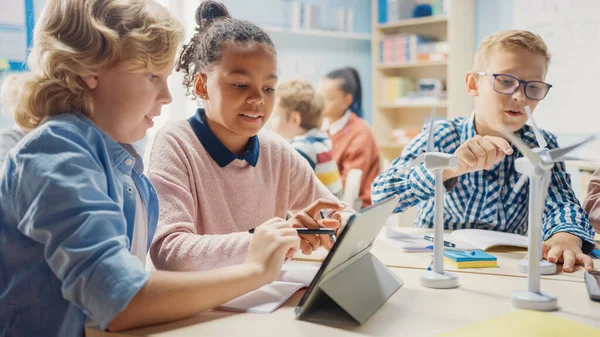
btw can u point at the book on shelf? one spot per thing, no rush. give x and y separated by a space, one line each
407 48
397 10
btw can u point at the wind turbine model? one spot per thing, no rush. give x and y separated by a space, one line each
537 165
436 162
546 267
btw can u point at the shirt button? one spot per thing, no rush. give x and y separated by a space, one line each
129 189
129 162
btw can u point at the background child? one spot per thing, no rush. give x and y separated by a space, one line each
215 174
297 117
354 145
74 201
507 75
591 204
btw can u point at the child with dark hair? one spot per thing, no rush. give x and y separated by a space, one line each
354 145
217 174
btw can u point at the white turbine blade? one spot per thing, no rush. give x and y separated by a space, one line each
430 140
417 161
557 154
538 134
525 150
522 180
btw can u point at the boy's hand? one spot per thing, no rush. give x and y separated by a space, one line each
272 242
566 247
479 153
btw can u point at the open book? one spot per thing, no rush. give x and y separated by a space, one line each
463 238
266 299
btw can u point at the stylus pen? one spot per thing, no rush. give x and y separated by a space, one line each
325 216
301 231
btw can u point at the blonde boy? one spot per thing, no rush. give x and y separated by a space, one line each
297 116
508 74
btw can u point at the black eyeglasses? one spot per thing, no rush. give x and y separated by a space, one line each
508 85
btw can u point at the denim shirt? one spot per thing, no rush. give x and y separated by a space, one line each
68 195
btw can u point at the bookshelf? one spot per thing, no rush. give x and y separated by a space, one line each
457 28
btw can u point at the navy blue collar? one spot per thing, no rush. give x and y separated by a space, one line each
219 153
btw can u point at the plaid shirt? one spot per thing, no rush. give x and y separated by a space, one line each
484 199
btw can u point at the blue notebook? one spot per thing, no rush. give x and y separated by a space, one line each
595 253
468 256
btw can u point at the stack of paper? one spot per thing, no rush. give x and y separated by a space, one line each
470 259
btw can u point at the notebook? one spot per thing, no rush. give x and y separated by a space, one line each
268 298
525 323
470 259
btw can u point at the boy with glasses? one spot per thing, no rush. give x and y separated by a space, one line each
508 74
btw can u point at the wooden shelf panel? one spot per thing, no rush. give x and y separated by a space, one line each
428 20
433 26
418 64
423 69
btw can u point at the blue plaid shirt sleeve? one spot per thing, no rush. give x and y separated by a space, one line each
412 184
563 212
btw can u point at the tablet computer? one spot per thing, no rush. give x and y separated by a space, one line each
350 265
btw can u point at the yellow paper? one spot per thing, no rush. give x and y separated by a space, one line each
4 64
525 323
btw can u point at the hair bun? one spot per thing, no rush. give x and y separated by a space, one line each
208 12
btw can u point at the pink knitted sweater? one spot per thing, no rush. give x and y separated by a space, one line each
206 210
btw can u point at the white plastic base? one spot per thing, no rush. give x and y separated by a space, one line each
524 299
431 279
546 268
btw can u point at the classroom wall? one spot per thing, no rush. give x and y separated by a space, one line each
492 16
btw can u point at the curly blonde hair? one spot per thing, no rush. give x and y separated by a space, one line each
78 38
299 95
509 39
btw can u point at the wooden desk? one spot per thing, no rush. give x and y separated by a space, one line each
411 311
507 259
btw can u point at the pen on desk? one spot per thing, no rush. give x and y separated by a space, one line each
325 216
446 243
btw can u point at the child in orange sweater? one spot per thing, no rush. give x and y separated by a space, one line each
353 141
